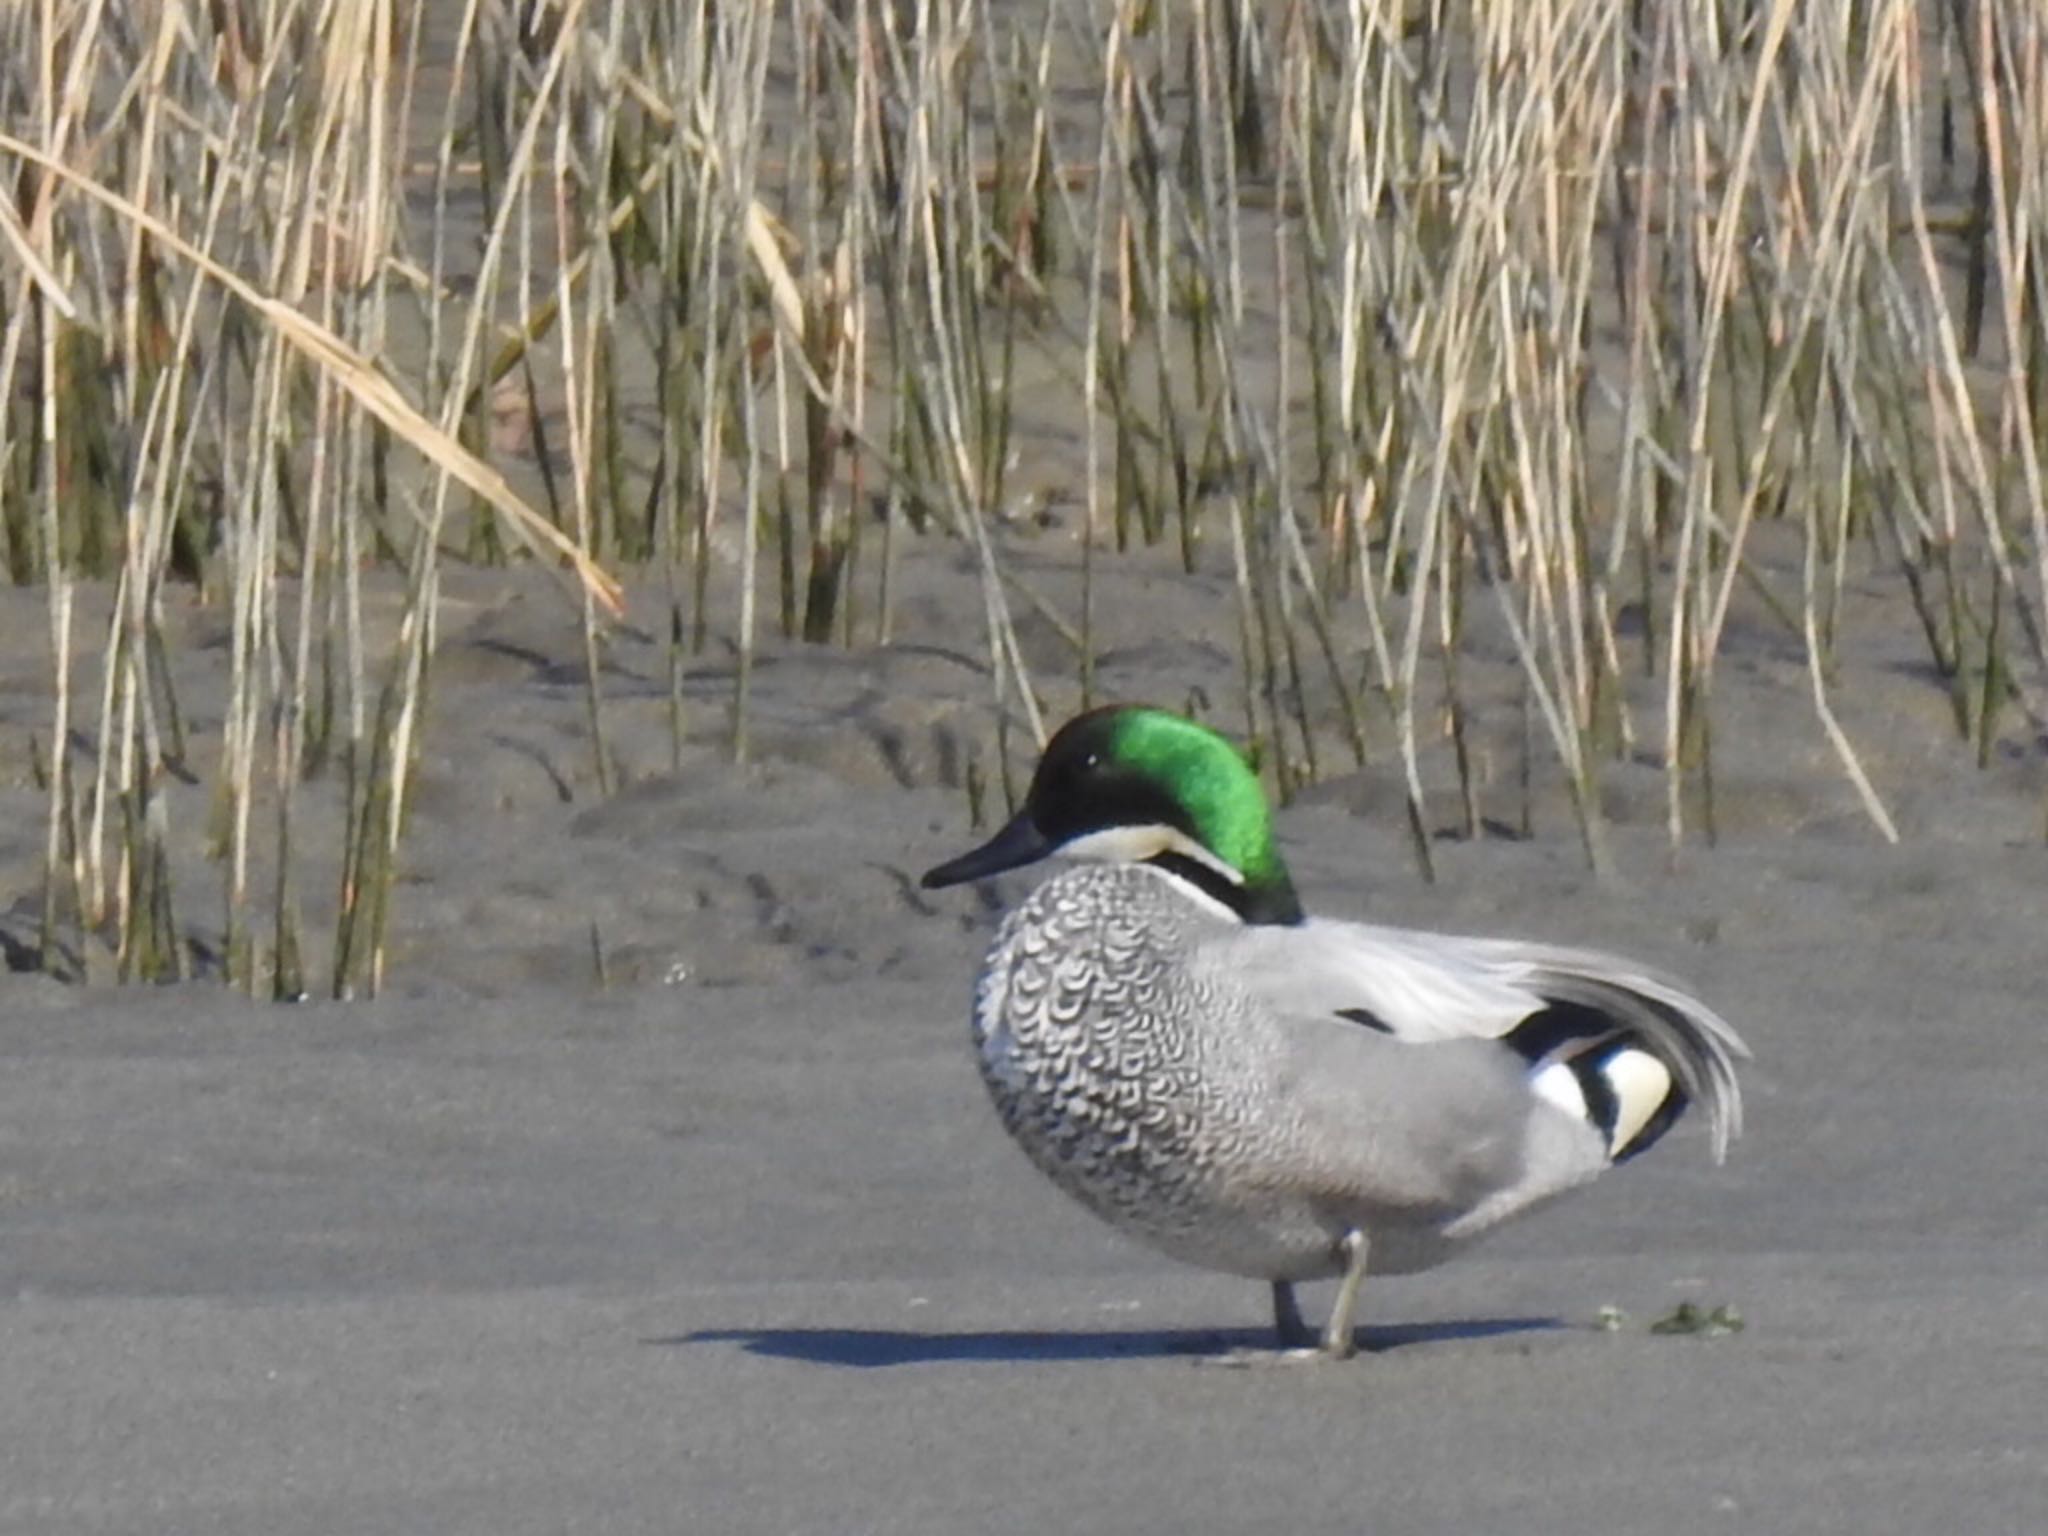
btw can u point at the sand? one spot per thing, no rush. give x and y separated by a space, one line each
734 1243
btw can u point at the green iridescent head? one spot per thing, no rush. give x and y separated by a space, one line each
1131 785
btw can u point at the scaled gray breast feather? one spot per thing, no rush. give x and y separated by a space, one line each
1087 1032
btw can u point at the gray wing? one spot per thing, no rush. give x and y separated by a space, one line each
1417 989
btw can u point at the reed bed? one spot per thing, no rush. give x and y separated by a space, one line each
1421 320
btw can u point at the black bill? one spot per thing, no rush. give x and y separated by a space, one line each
1019 842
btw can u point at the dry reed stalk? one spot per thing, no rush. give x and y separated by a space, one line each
580 373
1093 362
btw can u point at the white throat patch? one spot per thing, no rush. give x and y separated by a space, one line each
1134 845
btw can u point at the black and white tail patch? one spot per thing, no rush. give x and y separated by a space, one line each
1624 1092
1601 1075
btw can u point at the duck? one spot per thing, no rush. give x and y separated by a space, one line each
1181 1048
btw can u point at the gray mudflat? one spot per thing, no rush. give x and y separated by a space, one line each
757 1258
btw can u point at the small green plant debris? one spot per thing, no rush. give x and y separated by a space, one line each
1690 1317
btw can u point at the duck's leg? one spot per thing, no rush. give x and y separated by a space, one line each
1339 1343
1297 1340
1287 1324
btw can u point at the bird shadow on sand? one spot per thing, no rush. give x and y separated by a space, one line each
871 1348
